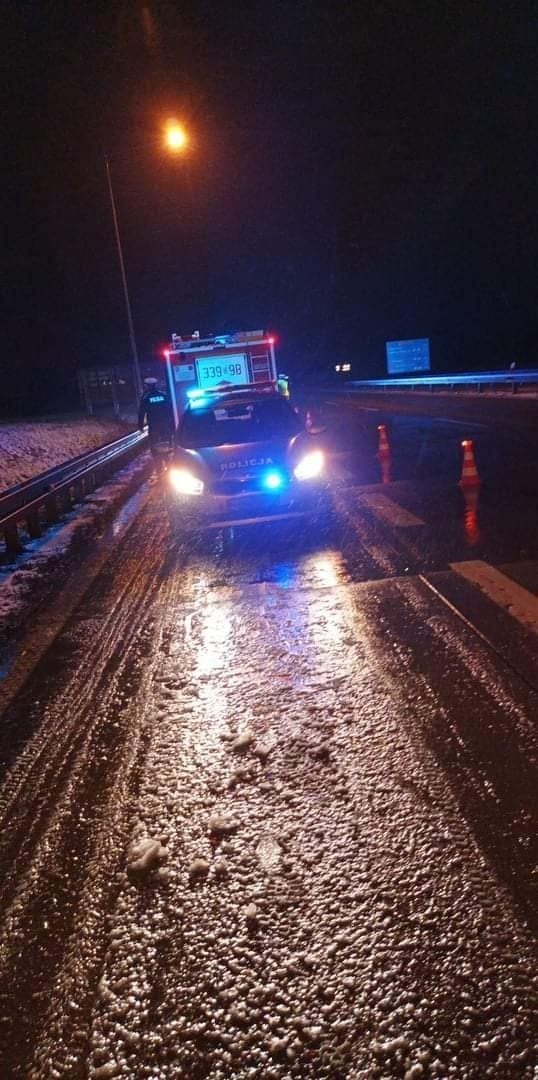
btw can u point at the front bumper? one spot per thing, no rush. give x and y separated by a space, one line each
219 511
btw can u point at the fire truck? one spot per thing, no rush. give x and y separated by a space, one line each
226 361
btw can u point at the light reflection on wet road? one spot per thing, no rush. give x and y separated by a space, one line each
273 808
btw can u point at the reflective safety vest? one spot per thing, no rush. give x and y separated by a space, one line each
156 408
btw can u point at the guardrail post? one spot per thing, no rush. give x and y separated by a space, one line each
13 540
33 525
52 515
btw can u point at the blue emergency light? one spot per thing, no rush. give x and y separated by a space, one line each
273 480
196 397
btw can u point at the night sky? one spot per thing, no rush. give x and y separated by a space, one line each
358 172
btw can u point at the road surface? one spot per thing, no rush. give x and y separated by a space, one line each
269 807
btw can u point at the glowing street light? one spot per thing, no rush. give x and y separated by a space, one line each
176 140
175 137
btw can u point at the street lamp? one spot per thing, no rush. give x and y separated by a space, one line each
176 140
175 137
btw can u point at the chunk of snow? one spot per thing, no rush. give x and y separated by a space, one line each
312 1033
145 855
222 826
198 868
278 1046
240 775
263 749
391 1046
321 751
243 741
106 1072
269 852
251 913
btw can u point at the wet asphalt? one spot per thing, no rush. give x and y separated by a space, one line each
268 801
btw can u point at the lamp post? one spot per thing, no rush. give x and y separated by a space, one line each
132 338
176 140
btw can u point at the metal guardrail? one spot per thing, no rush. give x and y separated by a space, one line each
35 504
512 380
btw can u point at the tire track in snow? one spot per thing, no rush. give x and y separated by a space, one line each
68 797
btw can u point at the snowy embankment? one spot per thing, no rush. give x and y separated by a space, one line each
30 447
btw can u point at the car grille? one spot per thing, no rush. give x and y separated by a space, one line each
238 486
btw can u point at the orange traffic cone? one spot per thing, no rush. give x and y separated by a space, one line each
383 453
469 472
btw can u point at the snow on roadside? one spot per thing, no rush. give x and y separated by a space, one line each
30 447
25 584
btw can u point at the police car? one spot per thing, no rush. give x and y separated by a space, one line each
242 456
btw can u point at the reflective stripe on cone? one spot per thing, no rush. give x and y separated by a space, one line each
469 472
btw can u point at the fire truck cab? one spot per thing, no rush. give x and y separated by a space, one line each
225 361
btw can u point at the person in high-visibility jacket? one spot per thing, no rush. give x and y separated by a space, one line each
283 385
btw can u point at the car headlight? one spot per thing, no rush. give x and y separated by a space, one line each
309 466
185 482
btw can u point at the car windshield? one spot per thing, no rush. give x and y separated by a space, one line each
238 422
